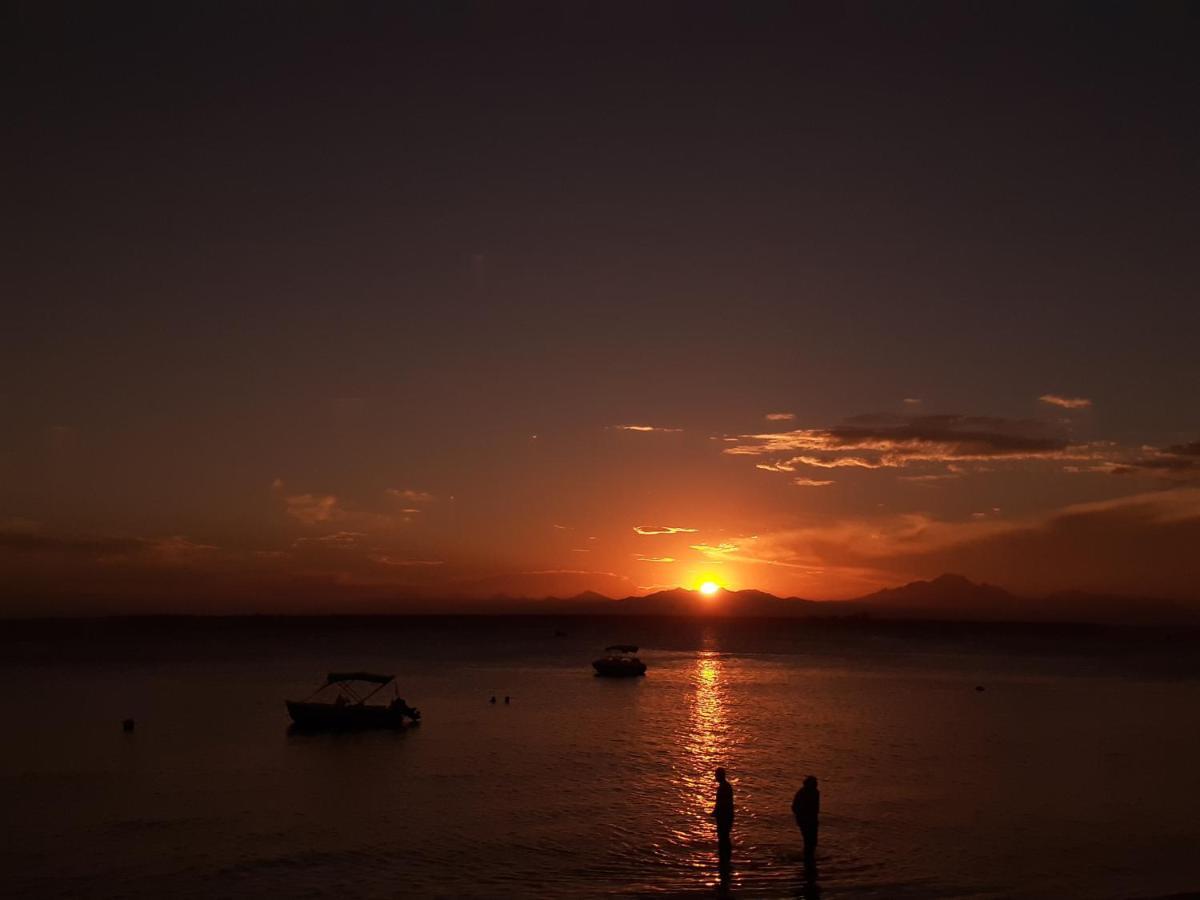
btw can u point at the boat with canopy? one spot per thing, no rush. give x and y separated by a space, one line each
619 661
348 708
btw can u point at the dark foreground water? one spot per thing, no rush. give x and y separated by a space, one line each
1074 774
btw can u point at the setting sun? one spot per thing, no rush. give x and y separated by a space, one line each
709 588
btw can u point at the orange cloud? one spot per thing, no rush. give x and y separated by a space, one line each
336 539
410 496
715 551
1066 402
399 562
663 529
780 417
836 462
653 559
179 549
312 509
810 482
326 509
645 428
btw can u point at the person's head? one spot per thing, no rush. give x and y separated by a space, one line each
811 782
720 773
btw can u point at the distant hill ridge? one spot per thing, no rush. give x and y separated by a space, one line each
949 596
946 591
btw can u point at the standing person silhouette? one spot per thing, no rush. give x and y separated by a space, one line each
723 813
806 807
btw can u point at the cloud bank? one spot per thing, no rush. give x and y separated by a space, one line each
1142 545
896 442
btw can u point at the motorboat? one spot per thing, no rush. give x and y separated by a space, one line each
619 661
345 706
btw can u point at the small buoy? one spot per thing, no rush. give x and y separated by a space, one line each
127 725
979 687
506 698
493 700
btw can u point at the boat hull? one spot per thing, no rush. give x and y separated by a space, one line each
332 717
619 668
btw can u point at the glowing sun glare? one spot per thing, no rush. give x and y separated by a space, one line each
709 588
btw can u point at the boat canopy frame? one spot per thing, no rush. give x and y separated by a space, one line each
345 682
335 677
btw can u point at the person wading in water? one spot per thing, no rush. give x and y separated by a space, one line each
806 807
723 813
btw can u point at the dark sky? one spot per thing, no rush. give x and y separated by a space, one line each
277 273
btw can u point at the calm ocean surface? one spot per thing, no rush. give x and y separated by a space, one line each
1074 774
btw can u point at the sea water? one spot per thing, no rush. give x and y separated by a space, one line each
1073 773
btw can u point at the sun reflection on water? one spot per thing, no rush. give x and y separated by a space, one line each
704 747
706 741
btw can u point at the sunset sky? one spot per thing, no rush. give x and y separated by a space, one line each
313 309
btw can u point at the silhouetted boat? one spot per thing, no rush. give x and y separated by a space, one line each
350 710
619 661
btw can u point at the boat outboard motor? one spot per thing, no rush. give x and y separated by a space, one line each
412 713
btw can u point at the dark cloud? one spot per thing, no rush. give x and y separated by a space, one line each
1192 449
893 441
34 542
53 550
953 436
1180 462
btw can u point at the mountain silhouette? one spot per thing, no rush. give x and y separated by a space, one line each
947 597
680 601
956 597
589 597
948 593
